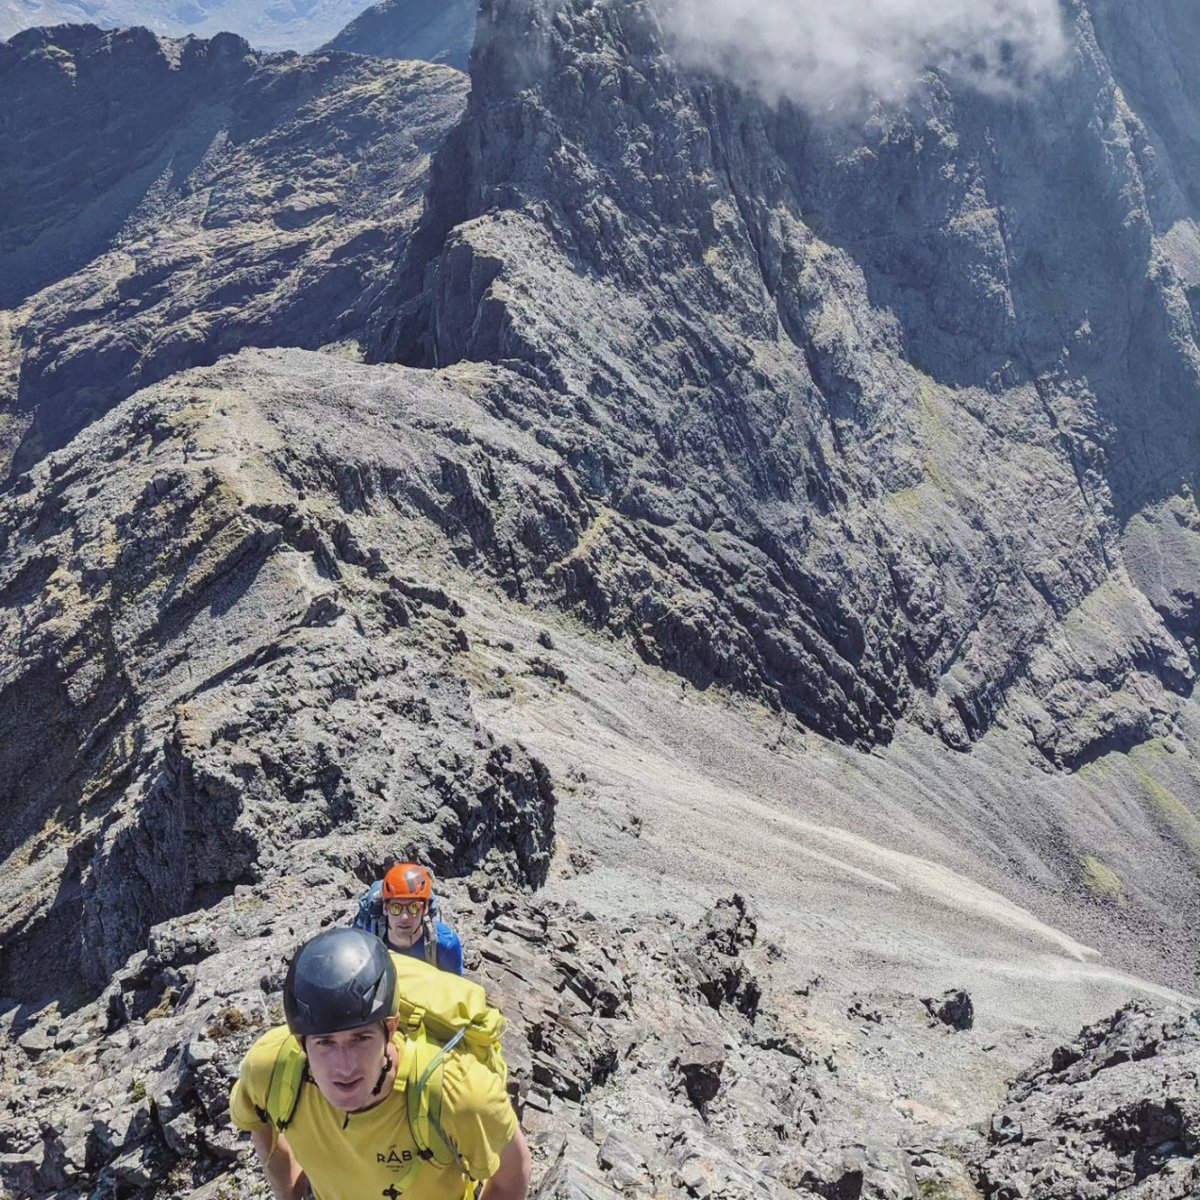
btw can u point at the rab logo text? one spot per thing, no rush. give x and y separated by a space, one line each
393 1156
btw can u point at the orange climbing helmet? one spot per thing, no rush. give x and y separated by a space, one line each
408 881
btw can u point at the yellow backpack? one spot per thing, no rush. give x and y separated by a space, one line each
441 1015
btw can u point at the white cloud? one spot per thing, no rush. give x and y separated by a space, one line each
831 54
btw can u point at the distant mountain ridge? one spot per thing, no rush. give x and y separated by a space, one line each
191 195
437 31
281 25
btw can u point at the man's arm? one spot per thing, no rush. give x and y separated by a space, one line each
511 1180
279 1164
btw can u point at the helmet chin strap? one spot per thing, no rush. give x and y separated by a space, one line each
383 1071
383 1074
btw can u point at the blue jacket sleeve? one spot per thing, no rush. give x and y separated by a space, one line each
449 951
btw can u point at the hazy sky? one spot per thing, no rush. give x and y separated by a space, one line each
830 53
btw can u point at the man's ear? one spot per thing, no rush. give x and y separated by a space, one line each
391 1024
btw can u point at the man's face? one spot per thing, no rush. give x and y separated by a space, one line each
346 1066
404 918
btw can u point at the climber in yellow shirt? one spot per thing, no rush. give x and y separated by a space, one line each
348 1136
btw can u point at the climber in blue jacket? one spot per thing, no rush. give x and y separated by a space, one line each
401 909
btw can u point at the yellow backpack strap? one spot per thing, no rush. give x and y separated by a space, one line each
408 1176
425 1108
287 1082
414 1024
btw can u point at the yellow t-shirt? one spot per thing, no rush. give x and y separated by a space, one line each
371 1154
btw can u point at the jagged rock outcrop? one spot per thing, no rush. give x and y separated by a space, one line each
216 674
625 1085
185 199
955 1009
604 1032
439 31
1115 1113
886 455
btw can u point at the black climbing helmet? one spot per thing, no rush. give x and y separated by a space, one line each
341 979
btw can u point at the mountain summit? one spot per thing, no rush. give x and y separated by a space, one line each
891 401
439 31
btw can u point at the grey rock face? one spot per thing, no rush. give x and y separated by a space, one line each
214 678
188 198
1114 1113
94 95
604 1102
846 389
439 31
954 1008
846 419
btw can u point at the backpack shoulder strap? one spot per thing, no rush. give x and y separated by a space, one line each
287 1082
424 1088
431 942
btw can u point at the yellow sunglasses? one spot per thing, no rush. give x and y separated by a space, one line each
397 908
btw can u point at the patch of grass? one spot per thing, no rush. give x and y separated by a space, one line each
596 532
934 1189
1180 819
906 500
165 1006
946 1189
228 1189
69 1060
937 438
1094 614
928 395
227 1023
1096 770
1101 880
138 1091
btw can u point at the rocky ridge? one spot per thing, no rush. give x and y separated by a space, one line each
434 32
881 450
253 699
158 567
262 198
1114 1113
644 1062
228 674
665 382
290 25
